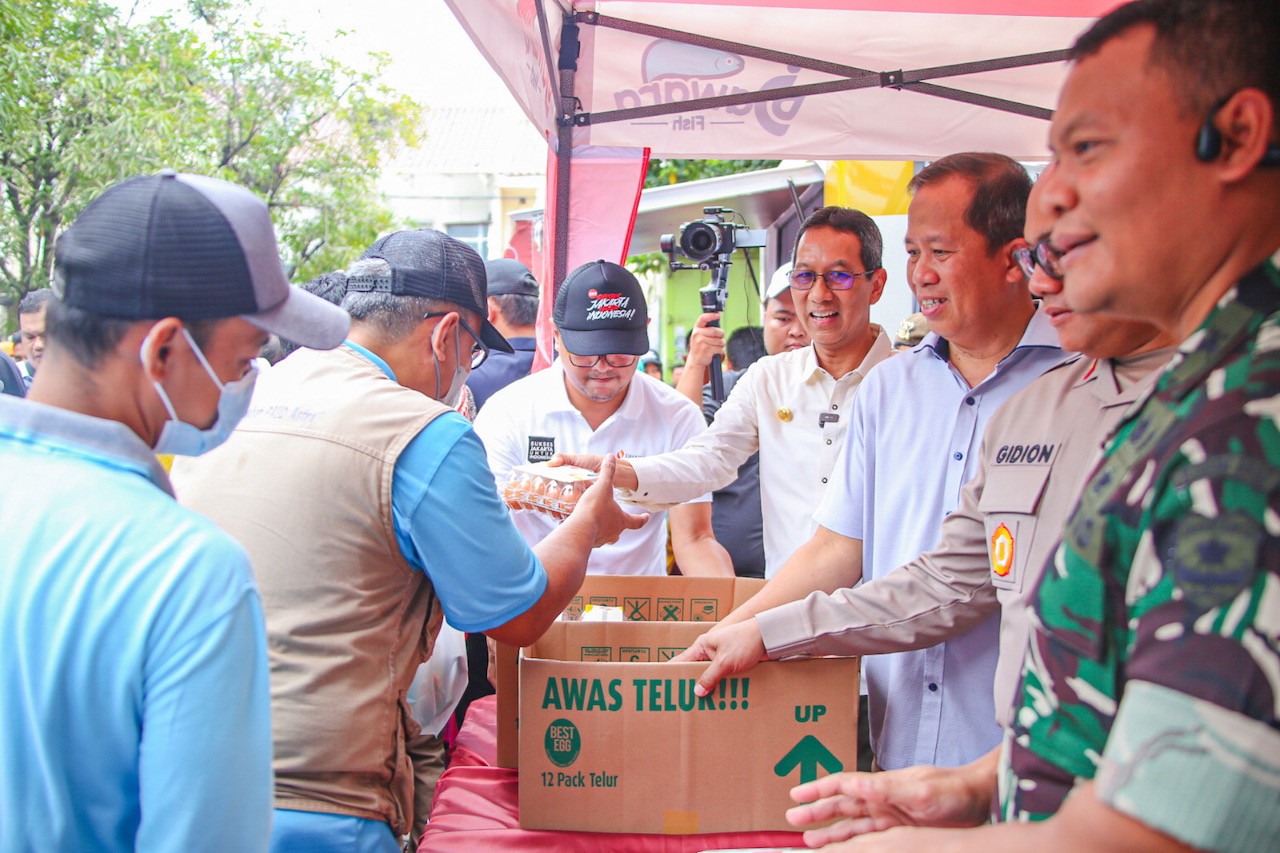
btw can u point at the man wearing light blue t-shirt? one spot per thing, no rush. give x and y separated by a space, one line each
369 511
134 707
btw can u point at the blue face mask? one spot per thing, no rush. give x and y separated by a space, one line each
183 439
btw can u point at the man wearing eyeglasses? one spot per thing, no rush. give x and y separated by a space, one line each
368 511
923 411
593 400
792 406
992 550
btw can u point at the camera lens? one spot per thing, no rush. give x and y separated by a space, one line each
699 241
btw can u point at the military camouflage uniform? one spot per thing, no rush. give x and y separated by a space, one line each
1155 663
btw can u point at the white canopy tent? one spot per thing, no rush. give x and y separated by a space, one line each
610 82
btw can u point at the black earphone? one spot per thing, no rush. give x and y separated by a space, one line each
1209 140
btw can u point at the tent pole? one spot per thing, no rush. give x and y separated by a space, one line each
546 49
568 66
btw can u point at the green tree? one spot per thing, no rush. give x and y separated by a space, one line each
305 132
83 103
87 99
663 172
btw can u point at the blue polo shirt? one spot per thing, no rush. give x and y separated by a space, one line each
913 443
451 523
134 695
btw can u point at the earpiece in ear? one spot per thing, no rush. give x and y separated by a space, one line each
1209 139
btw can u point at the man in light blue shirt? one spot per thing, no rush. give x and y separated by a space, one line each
133 698
915 431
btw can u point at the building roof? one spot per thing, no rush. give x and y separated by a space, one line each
497 140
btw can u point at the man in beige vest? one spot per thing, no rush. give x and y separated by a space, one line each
369 512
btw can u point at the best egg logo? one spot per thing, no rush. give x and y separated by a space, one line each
562 743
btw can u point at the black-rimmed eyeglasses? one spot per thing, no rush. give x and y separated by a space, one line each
479 352
1042 255
835 279
612 360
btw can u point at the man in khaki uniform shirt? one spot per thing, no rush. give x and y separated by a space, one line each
1036 451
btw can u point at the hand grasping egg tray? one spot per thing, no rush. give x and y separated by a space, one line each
541 488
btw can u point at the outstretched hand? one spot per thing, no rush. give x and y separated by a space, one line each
873 802
624 476
598 504
730 648
590 461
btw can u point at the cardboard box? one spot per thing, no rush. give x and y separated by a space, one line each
613 739
661 599
665 599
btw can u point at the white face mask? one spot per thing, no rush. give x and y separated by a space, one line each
183 439
453 396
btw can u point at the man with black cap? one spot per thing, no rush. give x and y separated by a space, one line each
593 400
369 512
134 692
513 310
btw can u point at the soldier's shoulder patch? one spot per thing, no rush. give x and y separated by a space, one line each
1213 559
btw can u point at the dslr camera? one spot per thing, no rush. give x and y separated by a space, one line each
710 242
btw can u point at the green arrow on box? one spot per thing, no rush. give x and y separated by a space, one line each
807 755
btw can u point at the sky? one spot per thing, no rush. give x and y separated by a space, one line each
432 59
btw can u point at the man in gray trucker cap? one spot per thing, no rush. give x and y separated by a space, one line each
134 692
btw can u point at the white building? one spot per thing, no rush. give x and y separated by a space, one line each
474 166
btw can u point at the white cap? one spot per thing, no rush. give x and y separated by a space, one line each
779 282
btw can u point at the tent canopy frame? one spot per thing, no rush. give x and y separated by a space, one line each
851 77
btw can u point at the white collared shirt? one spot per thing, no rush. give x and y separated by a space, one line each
532 418
793 412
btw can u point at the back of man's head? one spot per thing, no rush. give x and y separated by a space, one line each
408 274
329 286
1212 48
744 347
515 290
174 245
1001 185
849 221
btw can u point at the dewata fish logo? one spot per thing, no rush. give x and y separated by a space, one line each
674 71
674 59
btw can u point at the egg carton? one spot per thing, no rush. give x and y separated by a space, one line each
538 487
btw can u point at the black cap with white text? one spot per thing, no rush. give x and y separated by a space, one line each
600 310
